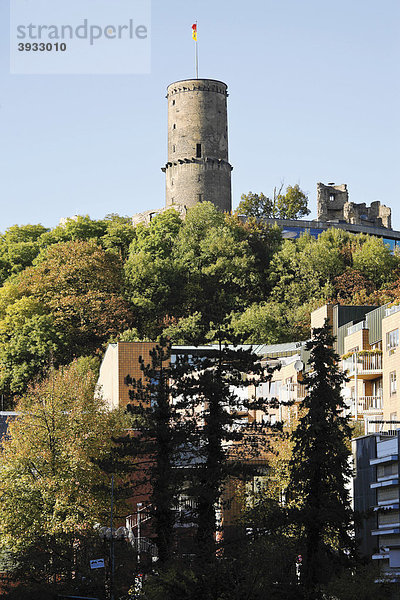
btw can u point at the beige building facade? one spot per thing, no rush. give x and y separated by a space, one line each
368 346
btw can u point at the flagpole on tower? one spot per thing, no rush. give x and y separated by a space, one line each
194 36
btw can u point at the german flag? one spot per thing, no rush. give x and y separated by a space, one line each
194 31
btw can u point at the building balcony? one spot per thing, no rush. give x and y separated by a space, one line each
292 392
390 505
391 310
386 531
367 405
385 483
357 327
366 366
380 556
383 459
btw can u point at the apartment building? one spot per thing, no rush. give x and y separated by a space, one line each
121 361
367 341
376 497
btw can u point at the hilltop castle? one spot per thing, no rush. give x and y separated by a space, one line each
198 167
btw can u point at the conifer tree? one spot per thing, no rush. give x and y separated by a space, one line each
320 469
188 436
223 444
155 442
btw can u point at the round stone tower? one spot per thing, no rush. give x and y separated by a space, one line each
197 169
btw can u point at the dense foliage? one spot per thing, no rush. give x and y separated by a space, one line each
320 469
291 205
68 291
52 489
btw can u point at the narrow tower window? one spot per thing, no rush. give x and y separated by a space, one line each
174 126
173 102
173 148
198 150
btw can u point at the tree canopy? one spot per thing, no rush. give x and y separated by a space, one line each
67 304
69 290
291 205
51 489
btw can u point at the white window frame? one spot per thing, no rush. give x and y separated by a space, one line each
392 383
392 340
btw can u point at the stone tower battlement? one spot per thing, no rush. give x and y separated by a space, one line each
198 167
333 205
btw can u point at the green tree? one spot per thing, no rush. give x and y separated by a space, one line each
305 269
51 492
68 304
224 447
81 227
224 263
158 441
186 330
189 438
119 234
267 322
291 205
375 261
320 470
210 264
153 281
255 205
19 246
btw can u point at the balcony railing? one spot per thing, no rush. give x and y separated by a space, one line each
367 405
357 327
291 392
391 310
367 364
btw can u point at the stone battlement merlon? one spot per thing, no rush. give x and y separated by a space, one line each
208 162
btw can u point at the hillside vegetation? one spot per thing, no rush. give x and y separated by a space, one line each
68 291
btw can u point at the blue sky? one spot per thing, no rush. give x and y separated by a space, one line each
314 96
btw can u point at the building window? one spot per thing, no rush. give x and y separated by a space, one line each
392 340
174 126
198 150
173 102
331 197
392 383
173 148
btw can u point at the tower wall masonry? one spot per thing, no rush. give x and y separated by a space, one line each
198 169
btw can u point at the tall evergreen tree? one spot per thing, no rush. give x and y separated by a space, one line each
320 469
191 438
223 443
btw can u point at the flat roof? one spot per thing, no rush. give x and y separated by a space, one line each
302 224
